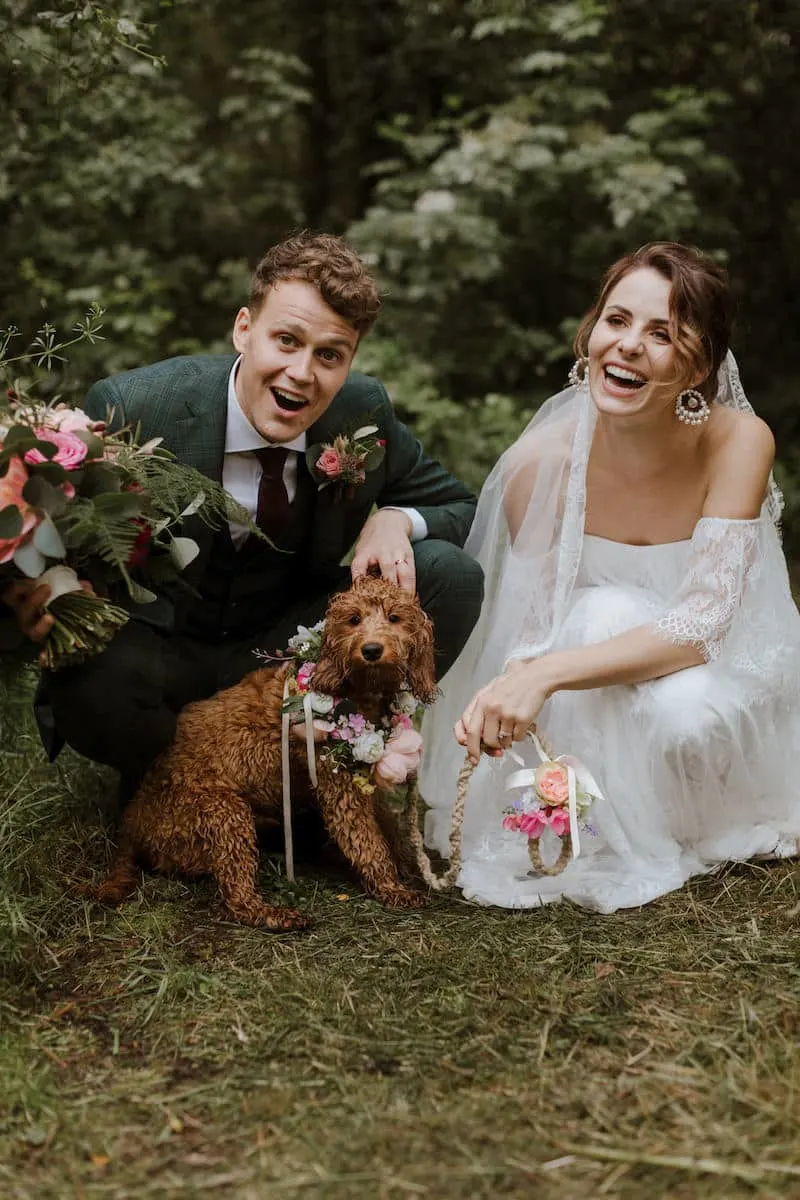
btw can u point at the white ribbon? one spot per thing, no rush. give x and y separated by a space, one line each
576 773
286 775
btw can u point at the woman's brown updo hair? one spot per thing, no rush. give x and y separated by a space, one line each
700 308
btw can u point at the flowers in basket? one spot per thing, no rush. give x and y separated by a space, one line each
557 797
80 503
377 756
346 460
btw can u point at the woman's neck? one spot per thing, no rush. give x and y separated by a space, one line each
644 446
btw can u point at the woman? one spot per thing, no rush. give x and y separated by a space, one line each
638 610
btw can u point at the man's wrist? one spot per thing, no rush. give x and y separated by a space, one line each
417 528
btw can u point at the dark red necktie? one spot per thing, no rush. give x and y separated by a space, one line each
272 515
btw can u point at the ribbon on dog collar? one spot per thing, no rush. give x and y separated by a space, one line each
286 774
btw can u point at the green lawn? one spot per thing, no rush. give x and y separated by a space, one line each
158 1050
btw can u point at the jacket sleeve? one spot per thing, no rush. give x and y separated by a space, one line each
413 480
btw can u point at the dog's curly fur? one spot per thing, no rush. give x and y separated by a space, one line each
196 810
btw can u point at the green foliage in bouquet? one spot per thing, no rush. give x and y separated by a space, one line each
90 512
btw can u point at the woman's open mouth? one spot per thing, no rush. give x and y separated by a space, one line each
287 402
623 379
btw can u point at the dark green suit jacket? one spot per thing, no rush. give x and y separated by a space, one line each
184 401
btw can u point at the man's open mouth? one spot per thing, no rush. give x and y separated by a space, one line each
622 377
286 402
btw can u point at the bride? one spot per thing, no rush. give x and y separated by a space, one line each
637 609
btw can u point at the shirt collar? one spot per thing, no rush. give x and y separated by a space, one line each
240 435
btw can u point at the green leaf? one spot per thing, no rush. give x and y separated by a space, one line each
47 539
10 522
119 504
41 494
374 458
312 454
93 443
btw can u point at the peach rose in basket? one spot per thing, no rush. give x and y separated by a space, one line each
399 759
11 485
552 783
70 450
330 463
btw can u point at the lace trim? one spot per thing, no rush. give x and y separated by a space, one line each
725 556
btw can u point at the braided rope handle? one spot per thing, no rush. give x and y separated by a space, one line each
440 883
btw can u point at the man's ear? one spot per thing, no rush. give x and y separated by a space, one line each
241 329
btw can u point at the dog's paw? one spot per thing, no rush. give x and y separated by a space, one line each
288 919
401 897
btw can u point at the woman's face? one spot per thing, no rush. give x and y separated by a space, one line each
633 365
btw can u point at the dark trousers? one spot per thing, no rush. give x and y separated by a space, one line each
121 707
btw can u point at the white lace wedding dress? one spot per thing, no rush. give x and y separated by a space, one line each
695 769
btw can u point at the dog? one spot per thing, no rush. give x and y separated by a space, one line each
197 809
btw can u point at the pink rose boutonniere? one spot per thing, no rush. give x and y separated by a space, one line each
346 460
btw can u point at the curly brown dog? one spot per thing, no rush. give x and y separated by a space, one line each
196 810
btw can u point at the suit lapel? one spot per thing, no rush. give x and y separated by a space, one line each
327 541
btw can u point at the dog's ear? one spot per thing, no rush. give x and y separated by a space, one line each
330 672
421 669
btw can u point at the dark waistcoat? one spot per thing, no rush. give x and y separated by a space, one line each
244 591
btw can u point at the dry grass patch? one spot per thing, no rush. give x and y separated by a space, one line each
159 1051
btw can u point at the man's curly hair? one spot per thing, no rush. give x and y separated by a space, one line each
330 265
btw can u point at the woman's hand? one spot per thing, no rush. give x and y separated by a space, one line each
504 710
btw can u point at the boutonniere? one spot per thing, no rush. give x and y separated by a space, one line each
346 460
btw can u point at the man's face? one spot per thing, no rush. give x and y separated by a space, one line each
296 353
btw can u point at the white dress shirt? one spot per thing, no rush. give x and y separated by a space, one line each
241 470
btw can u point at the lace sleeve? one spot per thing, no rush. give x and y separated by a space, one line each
724 556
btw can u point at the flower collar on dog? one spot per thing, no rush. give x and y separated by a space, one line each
346 460
381 755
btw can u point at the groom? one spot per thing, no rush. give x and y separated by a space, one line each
246 420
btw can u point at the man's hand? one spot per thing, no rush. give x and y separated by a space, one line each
384 542
26 598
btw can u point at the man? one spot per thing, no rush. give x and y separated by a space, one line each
246 420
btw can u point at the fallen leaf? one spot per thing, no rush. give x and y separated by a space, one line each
343 896
601 970
100 1160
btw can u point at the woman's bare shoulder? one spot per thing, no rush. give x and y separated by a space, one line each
741 453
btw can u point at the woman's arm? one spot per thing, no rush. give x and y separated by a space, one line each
699 618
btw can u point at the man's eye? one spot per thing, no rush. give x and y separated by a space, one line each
355 619
330 356
285 339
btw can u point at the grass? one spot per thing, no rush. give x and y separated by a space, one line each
160 1051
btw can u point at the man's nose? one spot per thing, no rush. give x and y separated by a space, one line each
301 366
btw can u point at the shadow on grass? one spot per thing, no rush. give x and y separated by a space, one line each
158 1050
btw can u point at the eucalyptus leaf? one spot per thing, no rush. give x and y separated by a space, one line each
365 431
10 522
30 560
47 539
195 505
41 494
141 595
182 551
93 443
374 458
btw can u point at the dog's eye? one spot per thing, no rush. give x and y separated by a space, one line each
355 619
393 618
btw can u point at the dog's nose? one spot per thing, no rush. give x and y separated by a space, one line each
372 651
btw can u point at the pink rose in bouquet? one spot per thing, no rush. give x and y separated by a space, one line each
552 784
400 758
11 485
330 463
70 450
72 420
533 823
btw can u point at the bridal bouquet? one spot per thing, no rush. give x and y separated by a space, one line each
78 502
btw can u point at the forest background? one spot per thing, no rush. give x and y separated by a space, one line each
489 158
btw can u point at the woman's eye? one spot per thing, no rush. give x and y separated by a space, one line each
614 320
661 335
355 619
